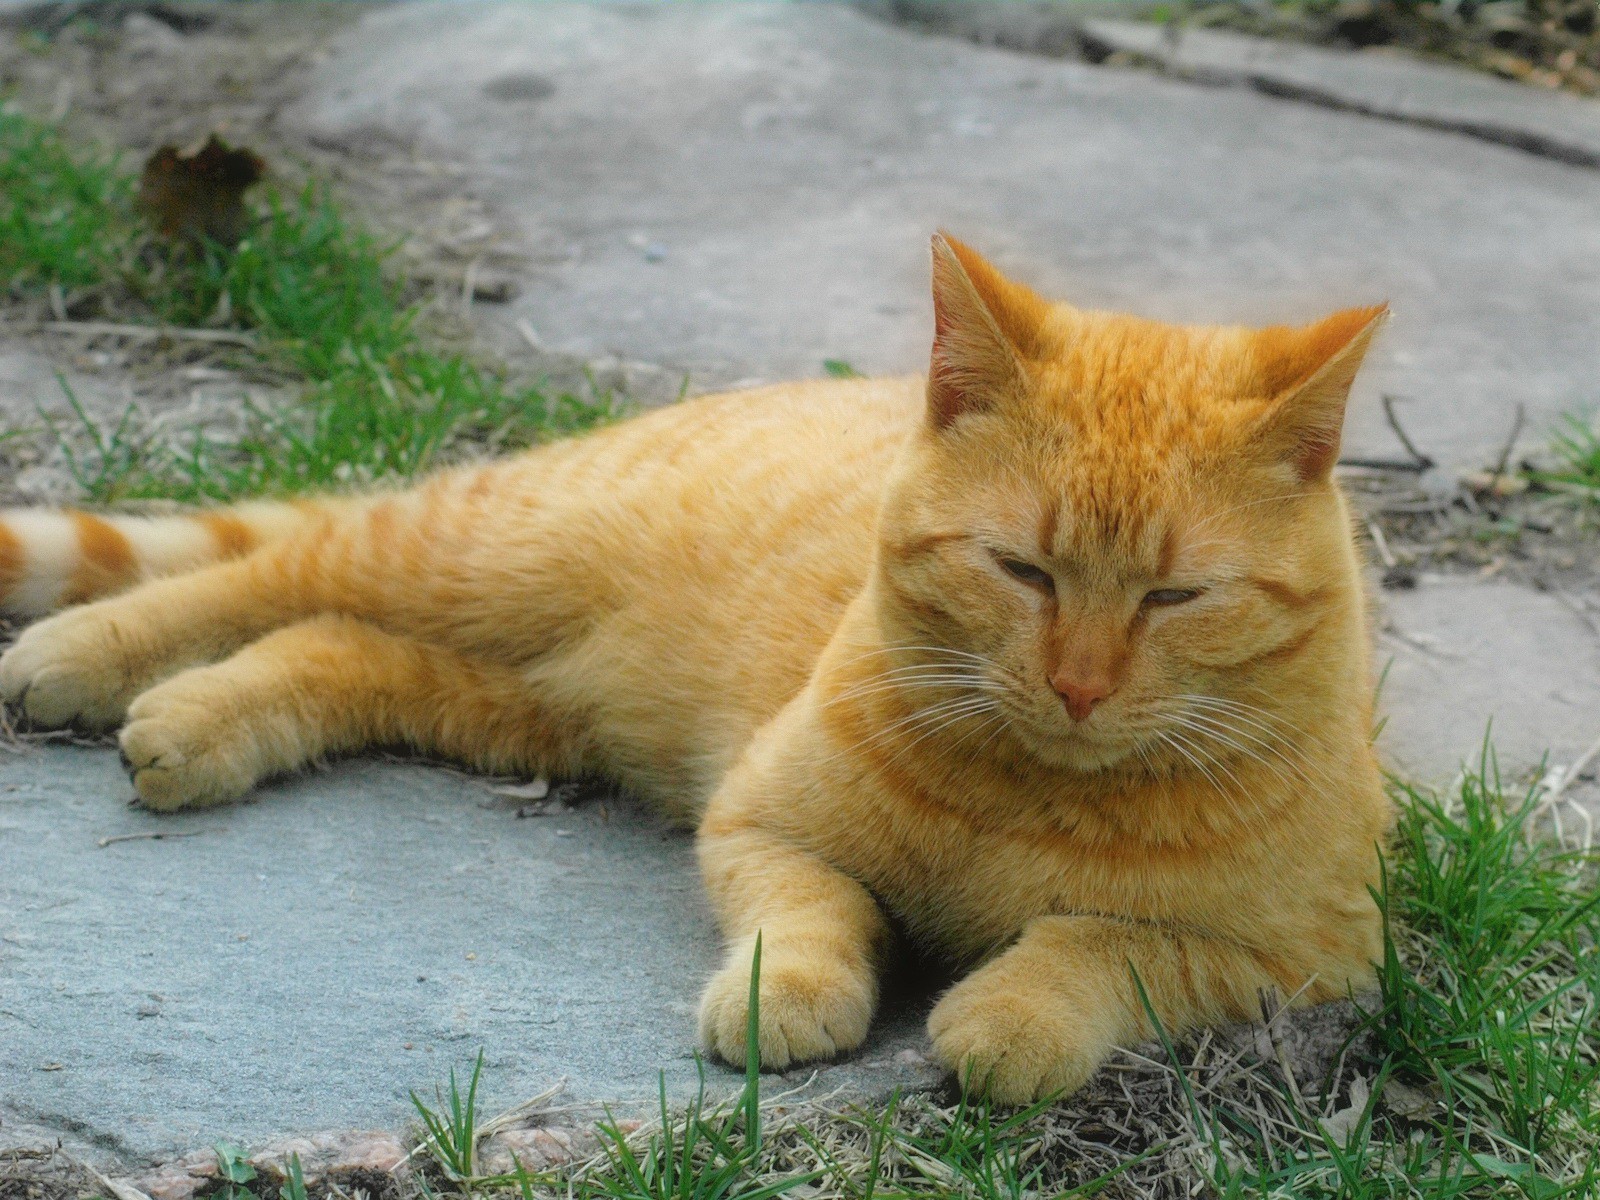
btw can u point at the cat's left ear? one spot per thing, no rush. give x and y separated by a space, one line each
984 327
1308 372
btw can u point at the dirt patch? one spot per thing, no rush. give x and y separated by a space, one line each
1542 539
1552 44
47 1173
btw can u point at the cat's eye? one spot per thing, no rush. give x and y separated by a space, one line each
1165 597
1028 573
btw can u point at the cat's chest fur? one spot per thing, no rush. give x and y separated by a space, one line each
964 880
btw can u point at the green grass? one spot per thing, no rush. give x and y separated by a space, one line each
452 1128
1577 453
54 206
327 310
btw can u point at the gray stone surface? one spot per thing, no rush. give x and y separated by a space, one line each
741 191
1464 656
310 957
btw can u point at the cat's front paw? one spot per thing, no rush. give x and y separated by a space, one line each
1009 1045
184 749
812 1005
69 669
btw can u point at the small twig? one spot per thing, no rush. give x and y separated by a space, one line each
1511 441
1270 1012
151 835
1588 491
529 335
1579 765
1422 461
1555 782
149 332
119 1189
1382 464
1382 544
469 284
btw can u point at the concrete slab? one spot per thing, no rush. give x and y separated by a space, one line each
742 191
303 961
1392 86
1463 656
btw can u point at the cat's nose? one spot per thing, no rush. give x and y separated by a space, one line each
1081 693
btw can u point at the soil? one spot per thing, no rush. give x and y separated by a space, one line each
1543 539
46 1174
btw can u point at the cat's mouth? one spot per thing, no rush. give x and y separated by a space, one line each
1097 744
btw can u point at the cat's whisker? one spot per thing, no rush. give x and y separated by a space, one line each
940 656
908 679
1263 752
1269 723
1193 723
1224 721
911 648
1172 740
1303 736
1003 723
1214 760
877 684
959 704
1229 714
944 722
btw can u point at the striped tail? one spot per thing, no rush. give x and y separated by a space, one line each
50 558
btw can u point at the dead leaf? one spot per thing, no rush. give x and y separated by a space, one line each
1345 1123
199 192
1499 486
1406 1101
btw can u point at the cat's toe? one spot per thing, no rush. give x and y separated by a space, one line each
182 756
61 672
809 1009
1011 1048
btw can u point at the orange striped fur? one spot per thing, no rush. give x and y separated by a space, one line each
1057 661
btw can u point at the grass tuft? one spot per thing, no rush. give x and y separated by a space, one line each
1577 451
1491 977
326 307
453 1127
61 211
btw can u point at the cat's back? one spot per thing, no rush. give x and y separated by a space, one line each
770 476
812 438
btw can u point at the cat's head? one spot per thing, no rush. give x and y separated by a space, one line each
1132 525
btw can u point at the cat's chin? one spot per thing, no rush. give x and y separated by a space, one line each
1073 751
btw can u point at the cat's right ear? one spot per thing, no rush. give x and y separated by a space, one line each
983 327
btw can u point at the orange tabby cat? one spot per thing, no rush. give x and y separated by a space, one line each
1057 659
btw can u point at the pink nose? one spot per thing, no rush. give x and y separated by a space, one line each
1081 695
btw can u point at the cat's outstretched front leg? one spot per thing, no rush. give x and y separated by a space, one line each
325 685
1040 1017
822 941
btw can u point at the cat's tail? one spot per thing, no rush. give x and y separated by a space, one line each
50 558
